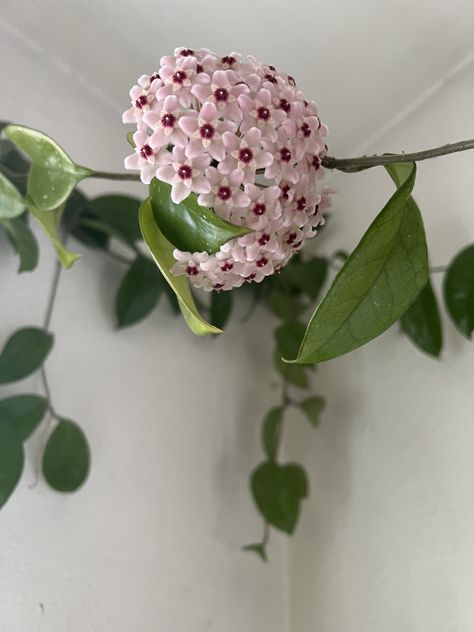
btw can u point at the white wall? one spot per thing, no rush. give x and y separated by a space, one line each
152 542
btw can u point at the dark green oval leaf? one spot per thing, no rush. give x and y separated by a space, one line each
162 252
12 203
66 459
422 322
53 175
308 276
114 215
221 308
25 412
312 408
284 305
138 293
271 431
278 491
23 353
24 243
379 281
459 291
289 337
188 226
11 460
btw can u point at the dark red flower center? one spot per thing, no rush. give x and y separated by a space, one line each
285 154
305 130
186 52
284 105
146 151
284 191
264 239
185 172
229 60
315 163
224 193
272 68
154 76
168 120
291 238
291 81
221 94
270 78
218 286
261 262
301 203
259 208
206 131
227 266
192 270
250 277
179 77
263 113
245 155
141 101
199 68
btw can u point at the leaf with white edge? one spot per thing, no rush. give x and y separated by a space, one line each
25 412
11 460
53 175
66 459
49 222
138 293
11 202
312 408
189 226
271 432
24 352
459 291
162 251
23 241
278 491
379 281
422 323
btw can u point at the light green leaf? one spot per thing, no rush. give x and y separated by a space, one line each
188 226
24 243
271 431
11 202
312 408
278 491
138 293
379 281
49 222
25 412
53 175
66 459
162 252
11 460
24 352
459 291
422 322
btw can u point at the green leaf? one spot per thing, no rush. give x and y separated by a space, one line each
49 222
422 322
24 412
278 491
66 459
24 243
288 337
53 175
221 308
188 226
271 431
13 160
162 252
23 353
138 293
379 281
115 215
11 460
309 276
459 291
285 306
292 373
258 548
312 408
11 202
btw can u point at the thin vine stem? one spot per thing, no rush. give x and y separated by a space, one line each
46 324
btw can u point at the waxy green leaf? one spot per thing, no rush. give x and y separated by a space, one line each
24 412
379 281
294 374
422 323
138 293
11 460
12 203
162 251
188 226
271 431
24 352
66 459
53 175
114 215
23 241
278 491
288 337
49 222
459 291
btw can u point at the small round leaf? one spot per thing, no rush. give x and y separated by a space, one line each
66 459
23 353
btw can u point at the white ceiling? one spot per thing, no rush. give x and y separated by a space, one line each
363 61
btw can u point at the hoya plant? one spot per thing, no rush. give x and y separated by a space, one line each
231 156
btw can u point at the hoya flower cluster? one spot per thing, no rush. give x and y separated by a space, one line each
242 137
